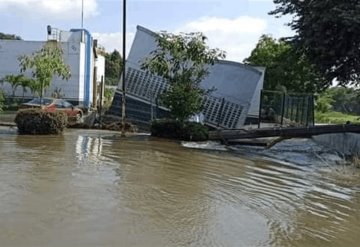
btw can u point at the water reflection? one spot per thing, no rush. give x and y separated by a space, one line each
87 147
90 188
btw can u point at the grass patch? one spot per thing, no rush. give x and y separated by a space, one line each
334 117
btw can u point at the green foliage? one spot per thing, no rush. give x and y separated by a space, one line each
9 36
11 104
338 105
183 60
108 95
183 100
113 67
45 63
13 80
323 104
18 80
187 131
328 33
39 122
340 99
334 117
285 67
346 100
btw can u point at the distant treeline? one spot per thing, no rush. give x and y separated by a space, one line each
340 99
9 36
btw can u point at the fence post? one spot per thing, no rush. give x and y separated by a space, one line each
260 107
101 99
312 109
303 111
283 109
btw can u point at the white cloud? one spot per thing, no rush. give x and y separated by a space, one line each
112 41
238 36
235 36
55 9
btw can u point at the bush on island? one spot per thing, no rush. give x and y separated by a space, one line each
186 131
38 122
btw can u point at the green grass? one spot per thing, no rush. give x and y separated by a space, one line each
335 118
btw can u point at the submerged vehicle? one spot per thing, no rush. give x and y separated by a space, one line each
53 105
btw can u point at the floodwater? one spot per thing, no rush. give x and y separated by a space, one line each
91 188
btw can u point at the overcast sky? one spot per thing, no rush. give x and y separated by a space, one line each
231 25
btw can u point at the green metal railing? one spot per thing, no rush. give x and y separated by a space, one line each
286 109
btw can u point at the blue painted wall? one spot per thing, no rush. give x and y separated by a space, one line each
88 50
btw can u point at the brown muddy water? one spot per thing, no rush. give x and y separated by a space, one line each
91 188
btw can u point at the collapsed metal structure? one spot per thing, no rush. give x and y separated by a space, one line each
236 98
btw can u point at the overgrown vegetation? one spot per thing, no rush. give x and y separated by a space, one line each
18 80
11 104
39 122
173 129
108 95
113 67
328 33
334 117
338 105
183 61
286 69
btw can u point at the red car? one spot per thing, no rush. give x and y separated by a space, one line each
52 105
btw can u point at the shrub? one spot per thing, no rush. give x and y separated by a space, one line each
187 131
11 103
36 121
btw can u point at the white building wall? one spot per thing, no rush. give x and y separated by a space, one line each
67 36
10 50
69 89
81 84
91 74
74 53
100 64
9 64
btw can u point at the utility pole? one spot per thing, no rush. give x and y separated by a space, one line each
123 71
82 14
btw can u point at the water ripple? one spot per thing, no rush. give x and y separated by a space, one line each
98 189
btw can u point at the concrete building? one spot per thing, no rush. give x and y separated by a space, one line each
79 52
236 98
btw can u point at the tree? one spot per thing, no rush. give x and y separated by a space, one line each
25 83
18 80
45 63
345 100
328 32
14 81
35 89
285 67
113 66
183 61
324 103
